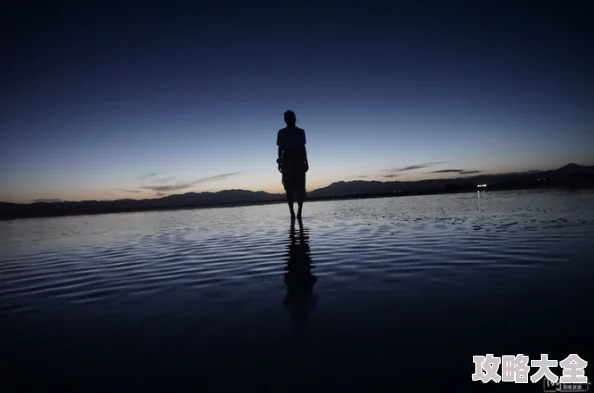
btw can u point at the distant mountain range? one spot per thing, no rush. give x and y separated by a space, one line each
571 175
568 174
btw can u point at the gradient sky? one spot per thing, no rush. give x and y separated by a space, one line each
107 100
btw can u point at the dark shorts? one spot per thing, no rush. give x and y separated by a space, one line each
294 175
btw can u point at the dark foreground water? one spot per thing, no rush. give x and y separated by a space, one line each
390 294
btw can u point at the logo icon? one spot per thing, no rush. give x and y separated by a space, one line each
554 387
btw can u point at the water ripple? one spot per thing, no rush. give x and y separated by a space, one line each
224 255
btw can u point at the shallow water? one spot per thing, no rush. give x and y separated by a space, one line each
364 291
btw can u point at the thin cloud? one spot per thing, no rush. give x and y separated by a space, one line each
184 185
469 172
132 191
44 200
414 167
449 171
171 187
108 193
218 177
152 174
164 180
391 176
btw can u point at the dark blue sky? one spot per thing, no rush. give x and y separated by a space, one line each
106 100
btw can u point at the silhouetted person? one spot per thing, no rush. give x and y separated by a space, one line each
298 277
292 162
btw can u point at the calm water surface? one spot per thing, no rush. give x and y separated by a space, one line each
389 293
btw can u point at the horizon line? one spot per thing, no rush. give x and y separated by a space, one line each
475 175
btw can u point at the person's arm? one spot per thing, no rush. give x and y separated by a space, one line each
280 152
306 162
305 153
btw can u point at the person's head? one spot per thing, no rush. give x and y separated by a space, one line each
290 118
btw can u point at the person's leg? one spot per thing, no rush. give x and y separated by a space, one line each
289 190
300 195
299 204
289 182
290 201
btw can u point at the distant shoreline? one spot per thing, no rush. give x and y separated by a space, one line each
49 213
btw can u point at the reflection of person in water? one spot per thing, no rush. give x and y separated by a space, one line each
298 277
